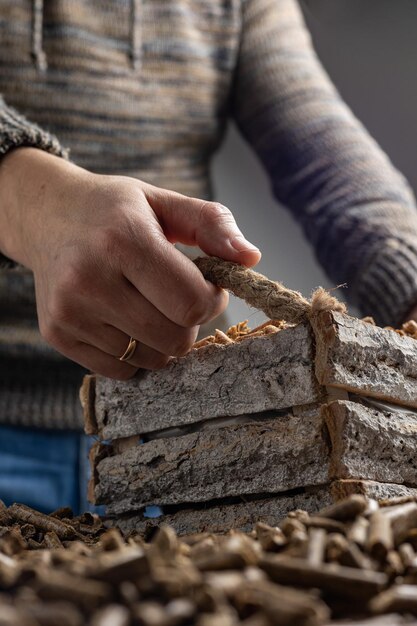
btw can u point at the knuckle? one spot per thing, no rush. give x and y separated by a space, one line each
184 343
45 330
77 280
195 312
110 243
69 282
214 212
52 334
117 245
61 308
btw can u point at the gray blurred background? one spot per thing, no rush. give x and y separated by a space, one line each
369 48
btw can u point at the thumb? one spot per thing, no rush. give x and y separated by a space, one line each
208 225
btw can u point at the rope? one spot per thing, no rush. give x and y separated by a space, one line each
37 51
273 298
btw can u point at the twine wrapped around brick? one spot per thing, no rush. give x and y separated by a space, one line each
270 297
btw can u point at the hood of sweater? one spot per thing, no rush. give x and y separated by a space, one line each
38 53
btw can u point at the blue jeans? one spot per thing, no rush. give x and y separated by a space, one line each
44 469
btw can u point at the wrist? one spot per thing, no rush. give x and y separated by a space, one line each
29 181
17 189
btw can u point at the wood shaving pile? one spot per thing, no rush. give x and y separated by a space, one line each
353 560
241 331
408 329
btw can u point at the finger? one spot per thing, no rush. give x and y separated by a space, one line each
92 358
143 357
143 321
101 353
114 342
114 320
209 225
147 358
101 363
172 283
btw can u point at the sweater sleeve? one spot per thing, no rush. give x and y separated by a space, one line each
15 132
355 208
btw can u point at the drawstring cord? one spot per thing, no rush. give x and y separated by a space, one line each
135 52
37 51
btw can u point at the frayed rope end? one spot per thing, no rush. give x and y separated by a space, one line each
321 300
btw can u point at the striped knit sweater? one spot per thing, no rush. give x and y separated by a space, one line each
146 88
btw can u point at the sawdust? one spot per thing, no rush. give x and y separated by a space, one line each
240 332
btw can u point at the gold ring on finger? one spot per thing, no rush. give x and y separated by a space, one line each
130 350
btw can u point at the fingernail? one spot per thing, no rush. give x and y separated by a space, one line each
241 244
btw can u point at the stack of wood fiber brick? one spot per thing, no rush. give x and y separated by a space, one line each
246 431
315 419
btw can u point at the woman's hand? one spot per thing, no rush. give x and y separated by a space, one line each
105 268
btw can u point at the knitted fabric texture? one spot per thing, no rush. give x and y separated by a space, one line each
146 89
16 131
38 387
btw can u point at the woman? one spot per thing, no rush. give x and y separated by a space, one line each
141 92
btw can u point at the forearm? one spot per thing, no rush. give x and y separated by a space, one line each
17 132
31 183
14 225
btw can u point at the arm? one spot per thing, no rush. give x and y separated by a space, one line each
15 132
354 207
100 248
